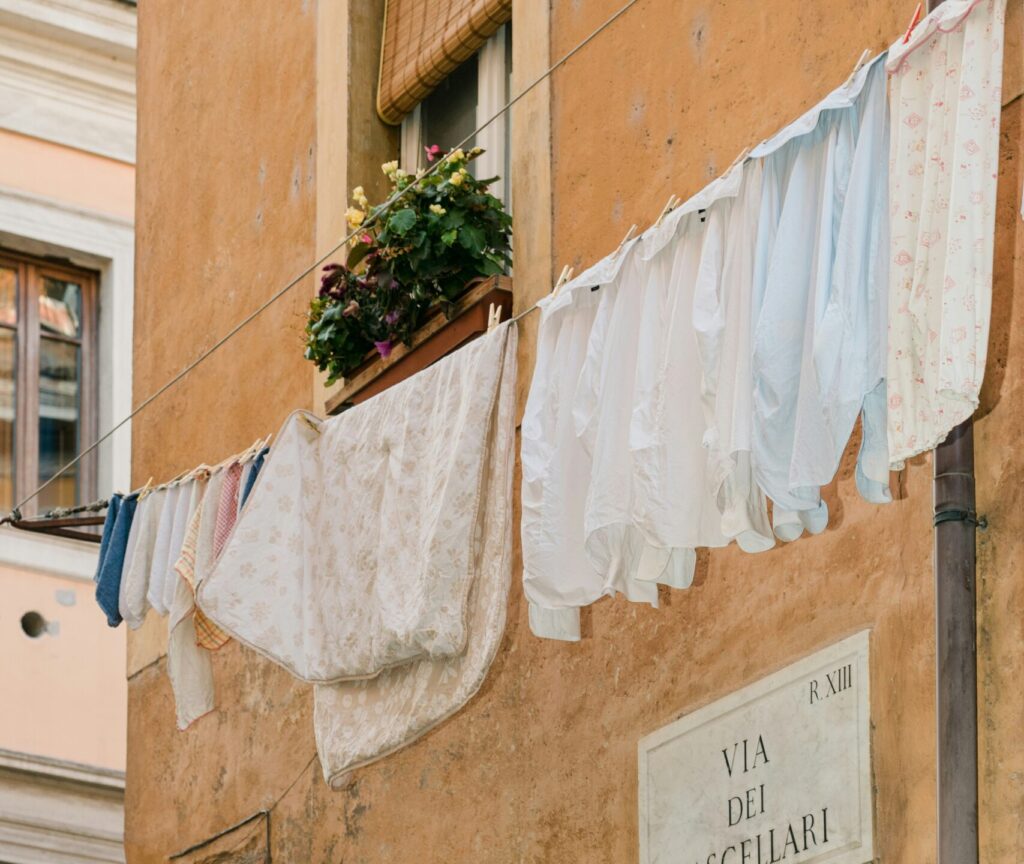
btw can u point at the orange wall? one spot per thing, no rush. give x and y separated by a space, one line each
67 175
541 766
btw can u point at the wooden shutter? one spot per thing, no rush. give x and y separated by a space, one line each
424 41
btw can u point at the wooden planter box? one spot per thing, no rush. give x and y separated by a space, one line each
438 337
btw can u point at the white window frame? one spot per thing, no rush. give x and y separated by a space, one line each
492 94
39 226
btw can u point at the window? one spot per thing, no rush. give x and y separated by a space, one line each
47 381
467 98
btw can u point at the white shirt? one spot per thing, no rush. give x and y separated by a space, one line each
815 207
946 106
558 577
722 312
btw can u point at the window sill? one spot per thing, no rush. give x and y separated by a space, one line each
73 558
434 340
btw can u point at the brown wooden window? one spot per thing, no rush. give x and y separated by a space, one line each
47 380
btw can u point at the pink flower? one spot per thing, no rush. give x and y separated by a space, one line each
903 258
959 334
384 348
914 120
966 92
895 401
972 146
433 152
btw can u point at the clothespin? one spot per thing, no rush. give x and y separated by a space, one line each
562 279
493 316
630 234
737 160
668 208
145 490
913 22
865 54
310 423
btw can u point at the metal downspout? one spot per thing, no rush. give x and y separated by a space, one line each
956 697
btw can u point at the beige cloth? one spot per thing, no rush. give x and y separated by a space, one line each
374 554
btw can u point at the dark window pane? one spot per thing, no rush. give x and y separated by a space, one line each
58 420
7 416
8 296
60 307
449 113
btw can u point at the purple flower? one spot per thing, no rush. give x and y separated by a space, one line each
392 316
383 348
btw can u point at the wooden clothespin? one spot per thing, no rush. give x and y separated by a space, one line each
673 201
865 54
493 316
308 420
630 234
562 279
737 160
913 22
145 490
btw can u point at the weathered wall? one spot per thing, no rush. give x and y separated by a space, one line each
541 766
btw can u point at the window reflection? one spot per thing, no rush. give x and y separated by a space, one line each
7 416
60 307
59 397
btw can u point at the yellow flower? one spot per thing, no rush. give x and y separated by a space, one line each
359 196
355 217
437 210
456 178
457 156
476 151
400 174
390 168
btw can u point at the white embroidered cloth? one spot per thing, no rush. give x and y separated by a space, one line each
374 553
946 103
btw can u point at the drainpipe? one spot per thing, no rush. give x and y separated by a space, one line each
956 697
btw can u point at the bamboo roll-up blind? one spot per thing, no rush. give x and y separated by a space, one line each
424 41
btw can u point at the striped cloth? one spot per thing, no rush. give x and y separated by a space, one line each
208 634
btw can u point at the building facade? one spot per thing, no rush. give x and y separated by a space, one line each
67 154
252 131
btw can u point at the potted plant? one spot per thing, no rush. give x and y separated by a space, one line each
416 255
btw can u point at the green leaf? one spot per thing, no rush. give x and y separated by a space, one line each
402 221
472 239
449 237
358 253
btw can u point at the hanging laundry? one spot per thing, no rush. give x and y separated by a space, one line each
722 322
188 664
365 523
182 514
946 85
249 480
137 568
227 507
558 576
357 722
113 505
108 578
157 576
817 342
675 503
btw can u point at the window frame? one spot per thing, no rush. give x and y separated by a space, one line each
31 272
493 82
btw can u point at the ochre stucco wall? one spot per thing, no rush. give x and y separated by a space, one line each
541 766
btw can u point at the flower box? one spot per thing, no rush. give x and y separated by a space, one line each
438 337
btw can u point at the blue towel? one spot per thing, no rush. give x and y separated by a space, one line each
257 464
108 585
108 526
